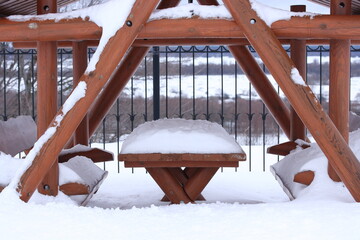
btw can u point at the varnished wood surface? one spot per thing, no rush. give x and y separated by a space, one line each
95 154
319 27
305 177
47 96
192 164
339 80
74 189
171 157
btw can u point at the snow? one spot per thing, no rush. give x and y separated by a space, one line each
180 136
242 204
192 10
270 15
296 77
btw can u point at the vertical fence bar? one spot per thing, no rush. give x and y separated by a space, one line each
156 83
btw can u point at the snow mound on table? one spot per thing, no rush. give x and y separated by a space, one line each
313 159
180 136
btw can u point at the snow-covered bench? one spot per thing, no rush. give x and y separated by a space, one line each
79 177
164 147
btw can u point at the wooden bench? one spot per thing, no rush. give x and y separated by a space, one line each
19 134
178 184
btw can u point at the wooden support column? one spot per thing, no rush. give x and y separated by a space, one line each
298 56
79 67
47 96
299 94
263 86
339 82
110 57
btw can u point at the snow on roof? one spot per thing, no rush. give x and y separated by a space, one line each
312 159
180 136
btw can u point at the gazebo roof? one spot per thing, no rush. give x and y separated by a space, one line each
23 7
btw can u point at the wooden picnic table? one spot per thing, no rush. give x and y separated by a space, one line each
182 176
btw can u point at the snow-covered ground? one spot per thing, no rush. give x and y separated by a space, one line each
240 204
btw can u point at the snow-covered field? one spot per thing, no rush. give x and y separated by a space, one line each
240 204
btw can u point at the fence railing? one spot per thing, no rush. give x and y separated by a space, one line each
191 82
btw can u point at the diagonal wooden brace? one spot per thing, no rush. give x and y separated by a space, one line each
113 52
303 100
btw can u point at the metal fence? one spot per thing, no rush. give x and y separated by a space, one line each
191 82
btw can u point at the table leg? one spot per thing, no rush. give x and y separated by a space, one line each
182 176
198 182
169 184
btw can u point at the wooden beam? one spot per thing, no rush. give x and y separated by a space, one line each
263 87
47 96
318 27
79 67
75 189
298 56
95 154
305 177
179 42
170 186
198 182
112 53
339 82
299 94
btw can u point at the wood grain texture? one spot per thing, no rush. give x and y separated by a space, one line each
298 56
339 80
319 27
305 177
198 182
47 96
71 189
300 96
170 186
79 66
192 164
113 52
95 154
284 149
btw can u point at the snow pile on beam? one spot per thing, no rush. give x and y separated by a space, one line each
192 10
270 15
180 136
312 159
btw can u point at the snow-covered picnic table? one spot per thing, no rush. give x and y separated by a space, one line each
181 155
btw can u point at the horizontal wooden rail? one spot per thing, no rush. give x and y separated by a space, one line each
179 42
319 27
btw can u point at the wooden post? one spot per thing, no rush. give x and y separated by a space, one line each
298 56
262 86
112 53
47 96
79 67
339 82
299 94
